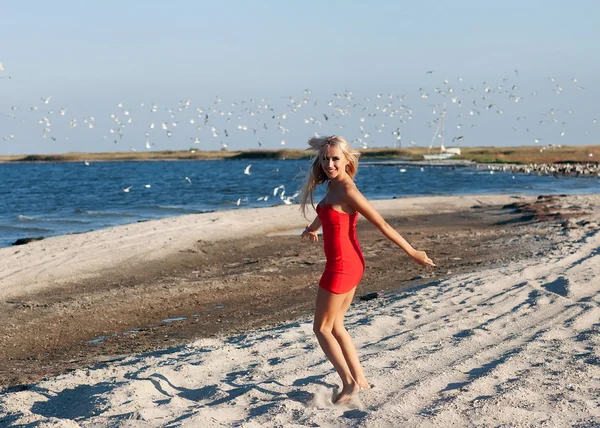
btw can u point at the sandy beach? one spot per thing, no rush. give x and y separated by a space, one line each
204 320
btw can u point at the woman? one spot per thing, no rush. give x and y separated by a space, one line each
336 163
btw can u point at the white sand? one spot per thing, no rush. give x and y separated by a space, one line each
517 345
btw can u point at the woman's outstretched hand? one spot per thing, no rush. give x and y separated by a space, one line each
311 235
421 258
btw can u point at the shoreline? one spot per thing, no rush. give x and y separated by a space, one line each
28 239
74 257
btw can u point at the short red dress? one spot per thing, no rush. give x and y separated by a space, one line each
345 262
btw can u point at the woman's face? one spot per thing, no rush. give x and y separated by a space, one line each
333 162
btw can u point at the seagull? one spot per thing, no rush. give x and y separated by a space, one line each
402 170
289 199
147 186
188 180
126 190
1 67
275 190
46 100
86 163
247 170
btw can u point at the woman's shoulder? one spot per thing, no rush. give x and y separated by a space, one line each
349 187
351 192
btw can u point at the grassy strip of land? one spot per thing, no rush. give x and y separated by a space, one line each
518 155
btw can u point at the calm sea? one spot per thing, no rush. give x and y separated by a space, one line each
46 199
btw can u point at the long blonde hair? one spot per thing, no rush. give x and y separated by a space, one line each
316 175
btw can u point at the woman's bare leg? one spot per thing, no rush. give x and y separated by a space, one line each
347 345
327 310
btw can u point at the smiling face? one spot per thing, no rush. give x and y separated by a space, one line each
333 162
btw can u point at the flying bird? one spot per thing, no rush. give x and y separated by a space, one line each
275 190
247 170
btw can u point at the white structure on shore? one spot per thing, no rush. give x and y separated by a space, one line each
445 153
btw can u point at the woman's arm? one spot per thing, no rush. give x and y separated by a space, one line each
311 230
315 225
358 202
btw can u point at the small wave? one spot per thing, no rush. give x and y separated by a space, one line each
170 208
68 221
23 229
52 220
25 218
102 213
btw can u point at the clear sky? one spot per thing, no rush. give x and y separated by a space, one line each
183 56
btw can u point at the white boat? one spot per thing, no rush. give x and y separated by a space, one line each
445 153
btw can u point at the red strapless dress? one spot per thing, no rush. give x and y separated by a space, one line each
345 262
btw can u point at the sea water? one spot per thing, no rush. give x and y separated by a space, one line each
47 199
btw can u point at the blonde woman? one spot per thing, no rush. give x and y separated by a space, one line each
336 163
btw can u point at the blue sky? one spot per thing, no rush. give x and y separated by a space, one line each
91 56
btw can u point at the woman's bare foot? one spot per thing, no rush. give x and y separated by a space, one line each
347 392
363 384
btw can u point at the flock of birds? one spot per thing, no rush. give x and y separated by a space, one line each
378 120
278 191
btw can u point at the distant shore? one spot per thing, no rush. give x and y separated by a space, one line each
513 155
